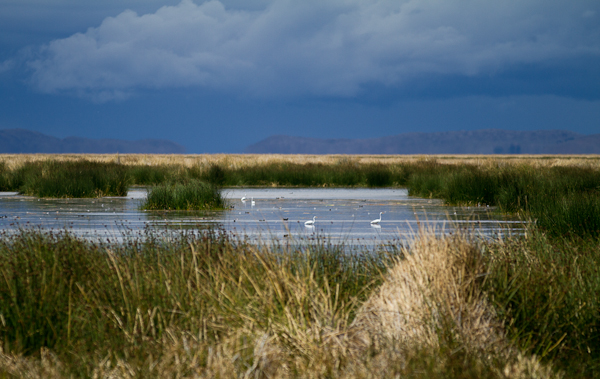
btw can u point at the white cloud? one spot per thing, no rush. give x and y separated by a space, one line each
312 47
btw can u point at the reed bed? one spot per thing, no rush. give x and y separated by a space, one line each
213 306
562 200
80 178
285 170
193 195
547 291
237 161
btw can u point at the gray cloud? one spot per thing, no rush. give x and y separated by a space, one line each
312 47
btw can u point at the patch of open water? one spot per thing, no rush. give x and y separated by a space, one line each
342 216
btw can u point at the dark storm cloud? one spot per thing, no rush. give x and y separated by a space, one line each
314 47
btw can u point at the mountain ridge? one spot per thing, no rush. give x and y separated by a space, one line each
23 141
483 141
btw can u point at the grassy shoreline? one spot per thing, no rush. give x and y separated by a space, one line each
562 199
215 306
218 307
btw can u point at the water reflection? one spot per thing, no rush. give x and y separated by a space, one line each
342 215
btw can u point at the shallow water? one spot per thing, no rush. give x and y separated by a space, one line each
342 215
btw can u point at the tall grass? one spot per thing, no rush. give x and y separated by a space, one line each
563 200
4 177
136 301
193 195
80 178
71 179
547 291
236 161
149 175
290 174
212 306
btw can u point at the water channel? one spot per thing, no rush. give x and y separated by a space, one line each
268 214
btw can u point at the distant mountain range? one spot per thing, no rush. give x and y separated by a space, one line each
14 141
485 141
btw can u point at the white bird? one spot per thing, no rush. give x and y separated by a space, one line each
310 222
377 221
253 202
244 198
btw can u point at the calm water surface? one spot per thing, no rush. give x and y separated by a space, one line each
343 215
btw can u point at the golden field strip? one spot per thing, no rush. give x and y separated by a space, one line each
235 161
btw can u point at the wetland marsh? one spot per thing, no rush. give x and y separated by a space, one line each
210 293
343 216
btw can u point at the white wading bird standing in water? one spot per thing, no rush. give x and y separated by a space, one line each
377 221
244 198
253 203
310 222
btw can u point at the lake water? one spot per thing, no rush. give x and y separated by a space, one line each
342 215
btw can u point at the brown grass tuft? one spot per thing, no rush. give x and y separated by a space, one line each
434 287
432 300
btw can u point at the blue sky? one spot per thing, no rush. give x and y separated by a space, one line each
216 76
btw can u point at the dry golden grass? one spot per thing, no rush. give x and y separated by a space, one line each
235 161
435 286
429 308
433 297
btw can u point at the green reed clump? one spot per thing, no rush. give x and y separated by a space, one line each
342 174
4 178
72 179
471 187
547 291
215 175
563 200
134 300
148 175
39 295
15 179
574 214
378 176
192 195
425 178
290 174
